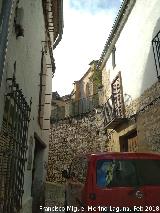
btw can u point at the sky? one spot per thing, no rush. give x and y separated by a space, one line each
87 24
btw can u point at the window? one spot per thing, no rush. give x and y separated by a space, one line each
117 96
113 58
149 171
19 29
127 173
114 109
13 142
156 50
104 172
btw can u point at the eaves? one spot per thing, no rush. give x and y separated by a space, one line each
118 25
57 9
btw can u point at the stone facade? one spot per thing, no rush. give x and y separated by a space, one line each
80 123
73 136
148 120
140 77
138 129
54 194
27 72
143 116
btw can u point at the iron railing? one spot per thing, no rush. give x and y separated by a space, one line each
13 148
112 115
109 111
75 108
156 52
114 109
84 105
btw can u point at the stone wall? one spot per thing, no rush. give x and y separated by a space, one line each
71 137
147 110
143 115
54 195
86 134
148 125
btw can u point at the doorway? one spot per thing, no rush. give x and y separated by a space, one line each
37 189
129 142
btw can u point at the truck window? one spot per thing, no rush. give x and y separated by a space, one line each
113 173
127 173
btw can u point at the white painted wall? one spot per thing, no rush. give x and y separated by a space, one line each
134 54
26 51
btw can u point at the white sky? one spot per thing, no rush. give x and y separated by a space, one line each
84 35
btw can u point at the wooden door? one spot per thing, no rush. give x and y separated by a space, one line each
133 143
129 143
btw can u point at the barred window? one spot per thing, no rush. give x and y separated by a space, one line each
156 52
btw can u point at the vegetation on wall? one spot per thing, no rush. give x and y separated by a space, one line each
96 78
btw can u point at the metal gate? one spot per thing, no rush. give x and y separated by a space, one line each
13 147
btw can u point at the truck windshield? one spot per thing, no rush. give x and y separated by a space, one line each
127 173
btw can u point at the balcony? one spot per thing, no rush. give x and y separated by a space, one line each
114 113
156 52
75 108
85 105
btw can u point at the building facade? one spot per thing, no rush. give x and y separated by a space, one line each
30 31
77 122
87 94
131 56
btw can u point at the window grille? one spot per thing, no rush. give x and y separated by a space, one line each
13 148
114 109
156 52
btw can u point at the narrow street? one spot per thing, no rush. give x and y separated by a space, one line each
79 106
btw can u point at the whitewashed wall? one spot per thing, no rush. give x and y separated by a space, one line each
26 51
134 54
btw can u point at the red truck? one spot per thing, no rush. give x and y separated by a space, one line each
113 182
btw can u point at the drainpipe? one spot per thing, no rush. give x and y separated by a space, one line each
4 31
60 25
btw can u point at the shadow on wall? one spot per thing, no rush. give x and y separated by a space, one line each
148 123
150 73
